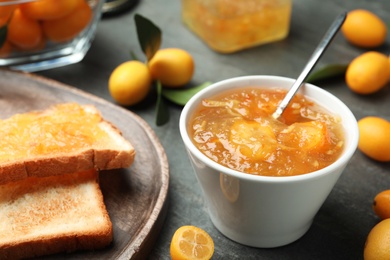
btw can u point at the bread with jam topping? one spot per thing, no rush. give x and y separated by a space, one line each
64 138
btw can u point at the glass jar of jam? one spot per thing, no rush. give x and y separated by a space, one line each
227 26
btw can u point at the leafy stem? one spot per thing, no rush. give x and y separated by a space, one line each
181 96
327 72
149 36
162 111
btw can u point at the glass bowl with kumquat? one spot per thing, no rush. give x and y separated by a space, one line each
264 179
42 34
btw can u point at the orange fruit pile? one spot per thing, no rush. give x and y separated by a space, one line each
32 24
366 74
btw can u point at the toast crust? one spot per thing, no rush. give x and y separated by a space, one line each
42 216
110 150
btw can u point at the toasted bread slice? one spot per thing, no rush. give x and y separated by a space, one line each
63 139
40 216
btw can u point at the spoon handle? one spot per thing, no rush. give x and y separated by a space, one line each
333 29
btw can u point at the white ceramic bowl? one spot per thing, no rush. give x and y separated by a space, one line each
262 211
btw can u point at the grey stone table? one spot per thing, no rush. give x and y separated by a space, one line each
342 224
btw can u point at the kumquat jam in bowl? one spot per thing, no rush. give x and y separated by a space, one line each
42 34
264 179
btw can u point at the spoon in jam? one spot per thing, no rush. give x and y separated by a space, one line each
322 46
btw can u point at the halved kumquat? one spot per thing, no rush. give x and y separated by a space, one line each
308 136
252 139
191 243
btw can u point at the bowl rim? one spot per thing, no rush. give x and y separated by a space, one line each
344 158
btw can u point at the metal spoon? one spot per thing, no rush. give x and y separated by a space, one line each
333 29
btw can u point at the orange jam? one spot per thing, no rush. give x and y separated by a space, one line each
64 127
231 25
237 130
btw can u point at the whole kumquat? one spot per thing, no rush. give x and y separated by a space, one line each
368 73
381 204
49 9
173 67
130 83
6 12
374 139
377 245
364 29
23 32
68 27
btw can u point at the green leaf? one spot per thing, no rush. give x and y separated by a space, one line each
3 35
327 72
149 36
162 112
181 96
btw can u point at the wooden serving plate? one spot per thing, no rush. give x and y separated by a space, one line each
135 197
